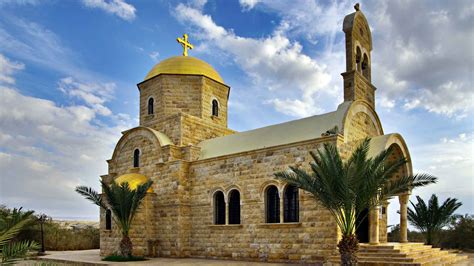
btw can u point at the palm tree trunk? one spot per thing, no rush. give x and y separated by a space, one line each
348 247
126 246
429 237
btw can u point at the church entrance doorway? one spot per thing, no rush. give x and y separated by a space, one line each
363 230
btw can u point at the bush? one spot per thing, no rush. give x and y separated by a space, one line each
460 234
119 258
413 236
57 237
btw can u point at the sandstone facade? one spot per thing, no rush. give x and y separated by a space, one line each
190 154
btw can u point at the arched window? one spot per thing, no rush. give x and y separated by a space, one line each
219 208
136 158
365 66
358 59
272 201
150 106
234 207
108 220
291 204
215 108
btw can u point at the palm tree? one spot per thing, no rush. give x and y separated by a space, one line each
11 223
123 202
432 218
347 188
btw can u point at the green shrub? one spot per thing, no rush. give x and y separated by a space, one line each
119 258
460 233
57 237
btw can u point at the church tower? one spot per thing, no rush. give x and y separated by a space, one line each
185 98
357 78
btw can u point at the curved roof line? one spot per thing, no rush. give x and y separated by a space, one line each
184 65
163 140
380 143
348 24
290 132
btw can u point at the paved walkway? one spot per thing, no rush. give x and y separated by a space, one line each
91 257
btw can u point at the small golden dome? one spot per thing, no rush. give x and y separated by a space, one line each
133 180
184 65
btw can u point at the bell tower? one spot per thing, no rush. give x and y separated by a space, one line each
357 78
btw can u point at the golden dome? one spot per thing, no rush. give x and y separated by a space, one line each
133 180
184 65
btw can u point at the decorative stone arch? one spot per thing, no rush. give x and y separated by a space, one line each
399 146
233 187
293 207
153 98
360 106
357 18
218 106
214 208
399 149
157 138
266 184
213 191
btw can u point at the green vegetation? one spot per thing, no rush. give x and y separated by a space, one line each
123 202
347 188
431 218
59 237
12 222
118 258
459 234
56 236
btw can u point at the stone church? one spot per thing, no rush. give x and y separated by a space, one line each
214 194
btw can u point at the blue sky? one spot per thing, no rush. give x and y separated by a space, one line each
69 69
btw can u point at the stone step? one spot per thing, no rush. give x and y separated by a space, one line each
447 259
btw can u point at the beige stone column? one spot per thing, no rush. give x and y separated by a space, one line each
282 206
403 199
374 225
226 211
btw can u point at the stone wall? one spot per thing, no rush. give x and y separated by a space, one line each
143 230
188 94
311 239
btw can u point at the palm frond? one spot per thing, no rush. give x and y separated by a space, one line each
16 250
92 195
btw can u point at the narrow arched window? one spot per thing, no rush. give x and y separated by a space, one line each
272 201
215 108
358 59
291 204
136 158
219 208
151 101
365 66
108 220
234 207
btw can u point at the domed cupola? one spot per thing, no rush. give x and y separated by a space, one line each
184 65
183 86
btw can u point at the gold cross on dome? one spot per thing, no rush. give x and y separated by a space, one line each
184 42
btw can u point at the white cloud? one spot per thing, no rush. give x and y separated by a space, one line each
47 149
7 69
34 44
92 94
451 159
154 55
120 8
274 62
423 54
19 2
248 4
